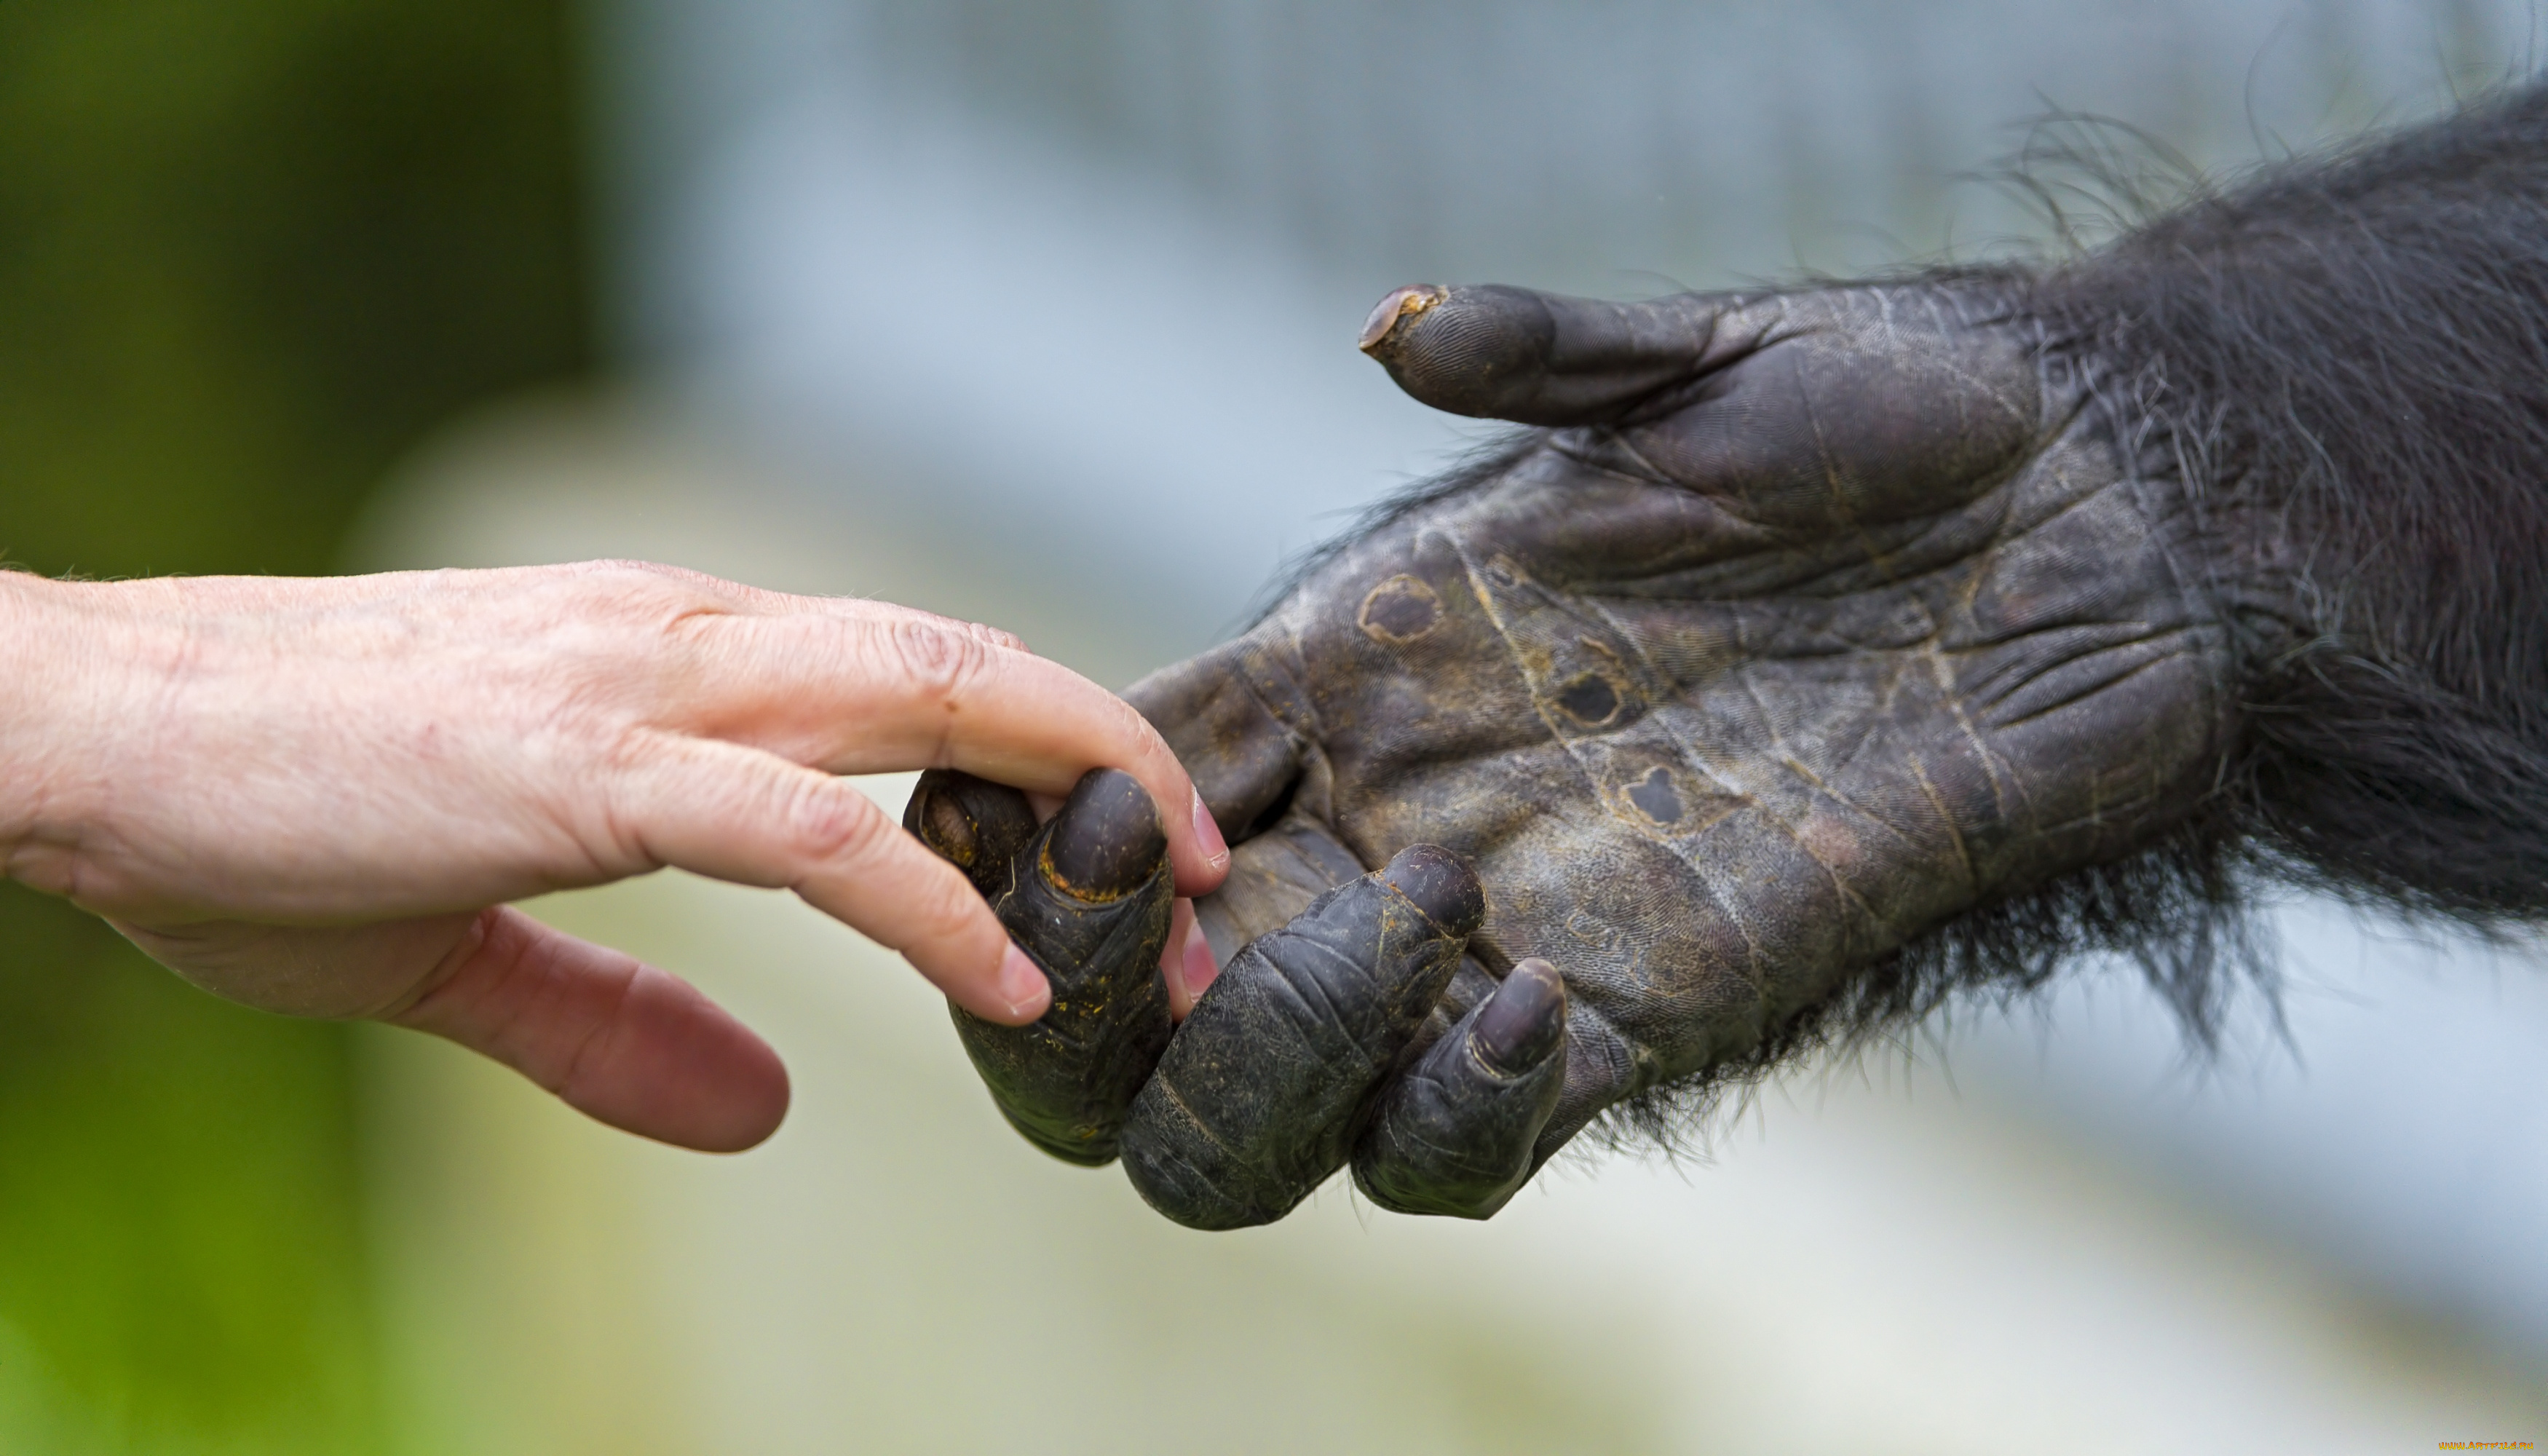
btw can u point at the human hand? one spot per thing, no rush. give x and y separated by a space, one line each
1804 623
317 796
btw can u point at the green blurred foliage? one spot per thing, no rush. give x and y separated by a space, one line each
180 1260
249 251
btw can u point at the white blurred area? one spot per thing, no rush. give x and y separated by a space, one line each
1041 314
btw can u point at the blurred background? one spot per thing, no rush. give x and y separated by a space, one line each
1041 314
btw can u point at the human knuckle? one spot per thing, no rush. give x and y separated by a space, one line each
645 596
620 748
930 618
829 822
602 811
620 577
1141 738
633 569
934 661
999 637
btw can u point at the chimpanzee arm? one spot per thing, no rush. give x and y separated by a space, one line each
1816 655
2347 362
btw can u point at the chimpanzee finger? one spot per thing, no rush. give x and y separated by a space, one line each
1536 358
1273 878
1454 1133
1261 1094
1088 898
972 823
1223 714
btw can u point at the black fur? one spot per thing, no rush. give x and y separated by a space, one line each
2348 360
2344 360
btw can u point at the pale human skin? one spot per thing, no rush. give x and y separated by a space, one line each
319 796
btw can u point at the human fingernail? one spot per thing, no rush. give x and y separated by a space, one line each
1022 986
1523 1021
1215 850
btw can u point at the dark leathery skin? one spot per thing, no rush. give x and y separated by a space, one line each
1264 1088
1087 897
1455 1133
973 824
1810 621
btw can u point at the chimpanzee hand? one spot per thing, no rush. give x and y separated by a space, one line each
1804 623
1321 1008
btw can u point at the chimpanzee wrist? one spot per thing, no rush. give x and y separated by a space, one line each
2339 364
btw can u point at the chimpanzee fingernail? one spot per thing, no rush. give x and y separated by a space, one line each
1523 1021
1106 841
1406 303
1022 986
943 826
1215 850
1440 884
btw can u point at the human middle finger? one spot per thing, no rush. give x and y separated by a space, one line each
737 814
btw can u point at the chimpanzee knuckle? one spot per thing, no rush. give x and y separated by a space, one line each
1325 993
1213 715
1404 1173
1179 700
1603 1065
1257 1097
1180 1166
973 823
1454 1137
